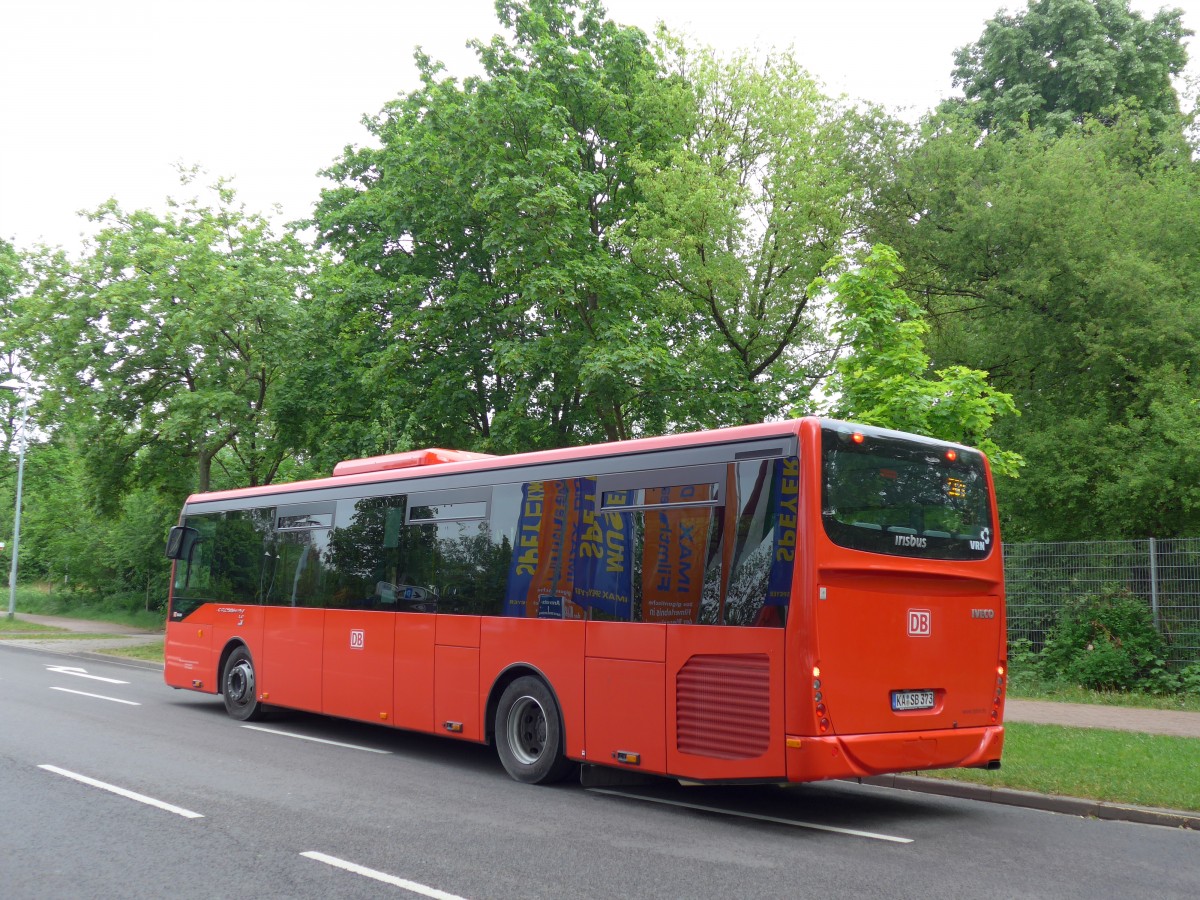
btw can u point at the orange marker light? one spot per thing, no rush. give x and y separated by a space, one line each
858 437
951 455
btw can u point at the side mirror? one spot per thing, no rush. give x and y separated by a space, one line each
181 541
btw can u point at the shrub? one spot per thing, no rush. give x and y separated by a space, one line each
1107 641
1189 679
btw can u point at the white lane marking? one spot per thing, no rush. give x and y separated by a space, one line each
416 887
97 696
305 737
82 673
746 815
122 792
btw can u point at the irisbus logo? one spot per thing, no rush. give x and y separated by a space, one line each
910 540
920 623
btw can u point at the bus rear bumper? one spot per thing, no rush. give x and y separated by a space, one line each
866 755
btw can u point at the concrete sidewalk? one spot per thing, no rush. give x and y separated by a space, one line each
82 626
1117 718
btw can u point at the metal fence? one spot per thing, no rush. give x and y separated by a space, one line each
1165 573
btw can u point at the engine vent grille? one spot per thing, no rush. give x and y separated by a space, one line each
723 706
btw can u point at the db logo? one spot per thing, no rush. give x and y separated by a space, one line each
919 623
357 639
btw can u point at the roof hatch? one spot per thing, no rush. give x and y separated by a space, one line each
413 458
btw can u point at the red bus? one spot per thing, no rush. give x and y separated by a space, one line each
781 602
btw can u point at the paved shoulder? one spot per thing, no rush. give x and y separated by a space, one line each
1119 718
81 626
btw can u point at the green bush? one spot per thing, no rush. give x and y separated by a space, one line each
1107 641
1189 680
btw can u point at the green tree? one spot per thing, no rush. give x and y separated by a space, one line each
168 339
14 281
737 221
479 292
884 376
1059 61
1067 268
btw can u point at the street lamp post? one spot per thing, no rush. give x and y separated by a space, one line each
16 539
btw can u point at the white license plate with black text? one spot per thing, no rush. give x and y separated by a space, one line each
903 701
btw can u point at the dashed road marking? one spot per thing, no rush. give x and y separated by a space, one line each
416 887
122 792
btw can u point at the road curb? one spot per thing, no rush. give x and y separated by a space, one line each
1071 806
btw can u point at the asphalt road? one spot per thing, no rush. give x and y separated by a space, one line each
113 785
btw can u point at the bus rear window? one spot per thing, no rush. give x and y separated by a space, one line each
904 498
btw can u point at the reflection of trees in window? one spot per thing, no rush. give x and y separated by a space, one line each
365 552
227 562
298 575
459 565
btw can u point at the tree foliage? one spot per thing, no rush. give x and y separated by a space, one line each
883 377
166 341
1067 268
479 290
739 218
1060 61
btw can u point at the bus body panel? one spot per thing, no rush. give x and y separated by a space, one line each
725 702
413 669
625 695
626 714
456 707
867 755
626 640
357 652
889 632
457 631
554 648
289 666
187 654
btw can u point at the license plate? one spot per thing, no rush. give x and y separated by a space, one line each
903 701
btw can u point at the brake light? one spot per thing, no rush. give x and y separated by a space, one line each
999 697
819 707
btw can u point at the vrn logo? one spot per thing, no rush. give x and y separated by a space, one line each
920 623
985 538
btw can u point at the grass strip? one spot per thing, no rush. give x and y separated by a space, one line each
10 627
1095 763
1067 693
59 636
153 651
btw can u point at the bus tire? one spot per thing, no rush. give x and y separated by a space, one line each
529 733
240 687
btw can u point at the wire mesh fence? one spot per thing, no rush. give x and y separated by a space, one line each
1165 573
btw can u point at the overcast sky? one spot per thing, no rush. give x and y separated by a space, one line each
101 98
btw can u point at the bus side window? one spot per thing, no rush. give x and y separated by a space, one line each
765 543
446 565
364 556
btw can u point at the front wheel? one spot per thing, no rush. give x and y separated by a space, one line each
529 733
240 688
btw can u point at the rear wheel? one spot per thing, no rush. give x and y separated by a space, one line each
240 687
529 733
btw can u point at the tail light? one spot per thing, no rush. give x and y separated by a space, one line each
819 707
998 699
